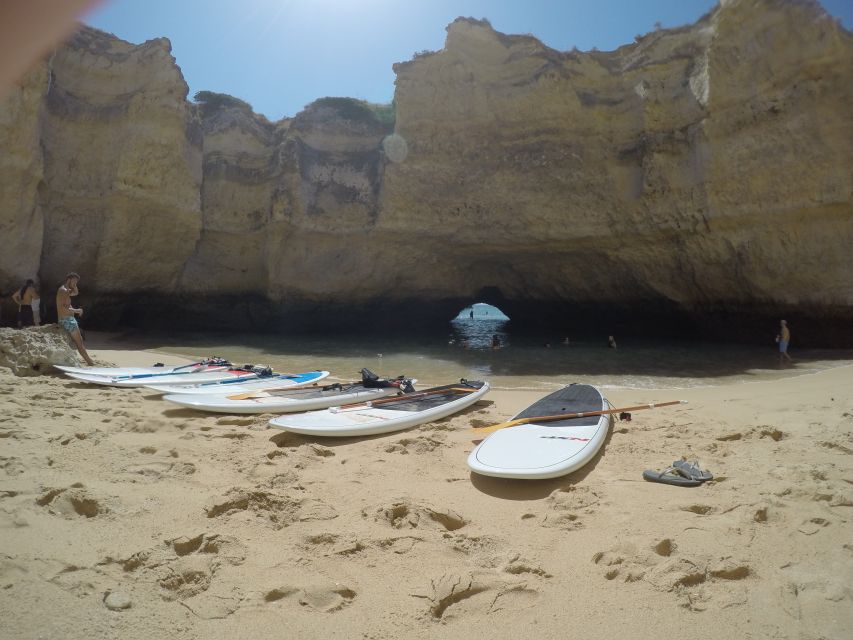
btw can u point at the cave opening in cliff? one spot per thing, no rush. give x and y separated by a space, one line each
478 325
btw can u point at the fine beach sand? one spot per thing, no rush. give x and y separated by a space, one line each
218 527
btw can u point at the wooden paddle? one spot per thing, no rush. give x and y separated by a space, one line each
564 416
405 397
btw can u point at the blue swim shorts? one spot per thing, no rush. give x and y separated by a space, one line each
783 346
69 323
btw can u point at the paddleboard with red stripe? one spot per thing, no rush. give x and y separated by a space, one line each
547 449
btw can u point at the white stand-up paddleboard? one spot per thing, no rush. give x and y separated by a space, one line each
111 372
546 449
120 372
210 375
386 414
274 382
286 401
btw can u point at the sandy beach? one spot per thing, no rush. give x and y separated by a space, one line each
122 517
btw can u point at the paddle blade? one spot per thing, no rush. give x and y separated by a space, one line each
247 396
498 427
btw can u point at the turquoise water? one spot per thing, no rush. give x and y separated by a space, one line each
523 362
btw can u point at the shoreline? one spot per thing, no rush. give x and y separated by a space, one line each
214 526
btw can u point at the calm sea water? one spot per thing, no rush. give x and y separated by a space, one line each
523 362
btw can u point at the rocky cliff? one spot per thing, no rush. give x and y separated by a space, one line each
697 177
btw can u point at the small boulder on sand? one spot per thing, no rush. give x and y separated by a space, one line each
32 351
116 600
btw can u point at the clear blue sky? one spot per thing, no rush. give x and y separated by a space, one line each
279 55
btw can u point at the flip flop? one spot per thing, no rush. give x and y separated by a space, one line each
670 476
691 470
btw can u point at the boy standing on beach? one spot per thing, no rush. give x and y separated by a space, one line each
67 313
783 339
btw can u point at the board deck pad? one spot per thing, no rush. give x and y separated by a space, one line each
436 398
576 398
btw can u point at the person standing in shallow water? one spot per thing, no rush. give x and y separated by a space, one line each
783 338
67 314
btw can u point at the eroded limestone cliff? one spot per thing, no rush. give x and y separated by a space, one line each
699 175
704 168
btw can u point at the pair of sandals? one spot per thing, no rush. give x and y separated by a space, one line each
682 473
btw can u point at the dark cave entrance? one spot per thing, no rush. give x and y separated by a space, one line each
480 326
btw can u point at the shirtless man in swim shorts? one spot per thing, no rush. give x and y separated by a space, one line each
67 313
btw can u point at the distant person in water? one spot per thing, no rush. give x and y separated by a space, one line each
24 299
611 342
67 314
783 339
471 314
496 342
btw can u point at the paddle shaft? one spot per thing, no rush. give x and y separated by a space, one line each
406 397
139 376
565 416
248 395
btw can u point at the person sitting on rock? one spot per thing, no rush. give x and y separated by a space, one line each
67 313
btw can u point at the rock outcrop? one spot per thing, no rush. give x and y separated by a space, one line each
703 169
21 174
109 156
698 176
32 351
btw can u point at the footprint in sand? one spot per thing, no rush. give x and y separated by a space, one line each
71 502
277 510
146 425
320 597
697 581
66 439
236 422
234 435
573 498
332 544
418 445
565 504
699 509
518 565
156 469
458 595
180 569
813 525
405 514
185 578
12 465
